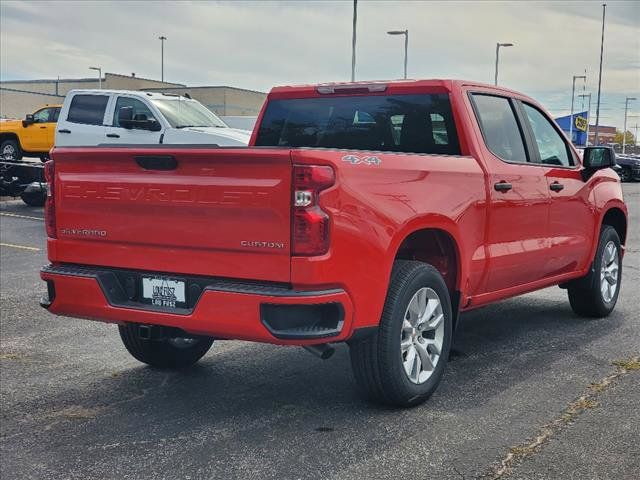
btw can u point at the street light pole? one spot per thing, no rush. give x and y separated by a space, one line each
99 70
498 45
162 38
353 41
595 140
587 95
573 93
624 131
406 46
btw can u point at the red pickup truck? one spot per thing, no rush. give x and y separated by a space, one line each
366 213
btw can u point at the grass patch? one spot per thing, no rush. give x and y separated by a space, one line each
523 450
79 412
10 356
583 404
598 387
628 364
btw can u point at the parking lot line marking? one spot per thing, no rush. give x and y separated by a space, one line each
20 216
22 247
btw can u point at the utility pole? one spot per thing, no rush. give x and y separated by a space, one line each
573 94
595 139
624 130
99 70
406 46
162 38
353 41
588 95
498 45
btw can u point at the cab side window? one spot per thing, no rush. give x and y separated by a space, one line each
140 110
42 116
88 109
500 128
552 148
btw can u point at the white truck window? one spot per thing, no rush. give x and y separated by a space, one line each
140 110
88 109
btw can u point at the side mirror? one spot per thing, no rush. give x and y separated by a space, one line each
125 117
28 120
597 158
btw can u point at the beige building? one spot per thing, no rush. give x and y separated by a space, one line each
19 97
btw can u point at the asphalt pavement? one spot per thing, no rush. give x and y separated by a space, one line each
532 392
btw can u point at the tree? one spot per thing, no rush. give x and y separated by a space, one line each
630 140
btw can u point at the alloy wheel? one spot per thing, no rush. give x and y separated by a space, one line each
609 272
422 335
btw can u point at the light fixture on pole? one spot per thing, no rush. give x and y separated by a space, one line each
406 45
587 95
99 70
162 38
353 41
624 130
498 45
573 94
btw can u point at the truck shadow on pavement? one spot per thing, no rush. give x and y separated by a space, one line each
499 346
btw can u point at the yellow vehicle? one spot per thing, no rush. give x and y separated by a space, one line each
31 137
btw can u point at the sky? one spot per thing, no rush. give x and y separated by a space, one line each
259 44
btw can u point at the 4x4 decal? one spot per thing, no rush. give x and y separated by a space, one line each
368 160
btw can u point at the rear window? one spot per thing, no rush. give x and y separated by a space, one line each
394 123
88 109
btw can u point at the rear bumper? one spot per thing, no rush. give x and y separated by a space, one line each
271 313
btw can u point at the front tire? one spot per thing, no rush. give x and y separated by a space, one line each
10 150
403 362
625 175
167 353
596 294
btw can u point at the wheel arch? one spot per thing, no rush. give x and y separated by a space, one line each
616 218
437 245
10 136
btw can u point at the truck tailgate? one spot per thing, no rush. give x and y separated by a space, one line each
200 211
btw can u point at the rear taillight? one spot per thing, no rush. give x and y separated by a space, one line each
310 224
50 206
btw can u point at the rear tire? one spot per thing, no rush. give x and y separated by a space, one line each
596 294
34 199
385 365
168 353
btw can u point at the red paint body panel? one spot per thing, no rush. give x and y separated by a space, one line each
190 220
194 220
220 314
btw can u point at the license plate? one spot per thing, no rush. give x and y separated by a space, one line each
163 292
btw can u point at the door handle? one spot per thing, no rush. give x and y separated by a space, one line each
64 130
502 186
43 126
556 186
157 162
113 135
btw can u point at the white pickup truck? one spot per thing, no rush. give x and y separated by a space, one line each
95 117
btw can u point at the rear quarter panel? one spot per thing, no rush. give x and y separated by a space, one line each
374 208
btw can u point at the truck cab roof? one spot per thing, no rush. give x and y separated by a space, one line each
136 93
395 86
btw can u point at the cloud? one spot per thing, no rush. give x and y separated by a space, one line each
260 44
